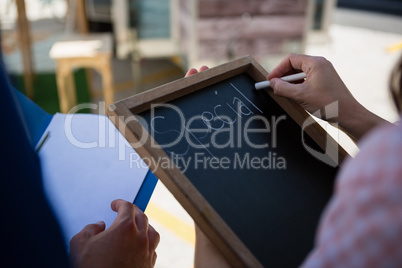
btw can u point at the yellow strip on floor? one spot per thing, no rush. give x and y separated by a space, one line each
180 228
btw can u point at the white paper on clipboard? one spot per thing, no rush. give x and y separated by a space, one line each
86 163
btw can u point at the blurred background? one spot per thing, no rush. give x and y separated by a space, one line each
63 52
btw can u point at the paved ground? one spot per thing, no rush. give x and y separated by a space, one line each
362 46
364 55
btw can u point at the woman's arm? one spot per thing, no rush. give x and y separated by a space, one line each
323 87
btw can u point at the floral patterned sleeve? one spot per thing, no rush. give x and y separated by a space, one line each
362 225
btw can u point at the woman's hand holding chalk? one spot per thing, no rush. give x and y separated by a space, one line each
289 78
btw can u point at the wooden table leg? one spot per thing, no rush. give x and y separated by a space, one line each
25 45
107 81
61 78
71 93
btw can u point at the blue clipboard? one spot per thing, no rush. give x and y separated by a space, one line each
37 120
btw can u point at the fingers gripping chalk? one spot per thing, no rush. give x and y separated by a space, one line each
289 78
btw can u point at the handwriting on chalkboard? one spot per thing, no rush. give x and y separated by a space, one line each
200 131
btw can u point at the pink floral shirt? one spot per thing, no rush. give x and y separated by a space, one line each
362 225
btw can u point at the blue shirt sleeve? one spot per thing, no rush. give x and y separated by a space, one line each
29 232
35 118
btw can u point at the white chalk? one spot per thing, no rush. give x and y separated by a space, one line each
289 78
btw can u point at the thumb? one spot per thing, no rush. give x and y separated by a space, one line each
93 229
283 88
86 233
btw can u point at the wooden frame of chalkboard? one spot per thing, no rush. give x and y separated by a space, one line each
124 115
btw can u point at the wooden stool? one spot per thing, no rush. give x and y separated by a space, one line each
75 51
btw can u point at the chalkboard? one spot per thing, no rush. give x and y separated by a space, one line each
241 154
